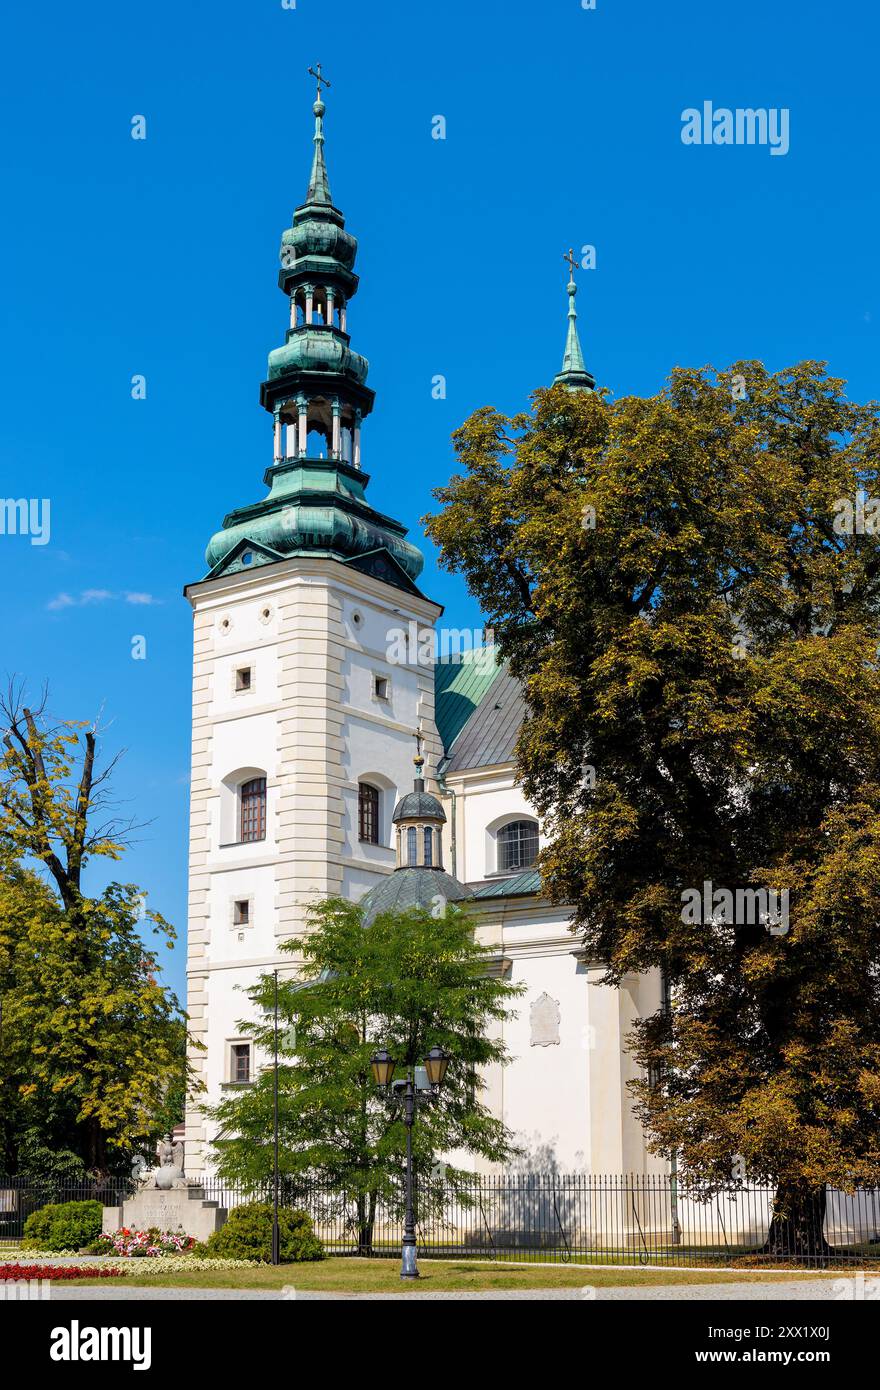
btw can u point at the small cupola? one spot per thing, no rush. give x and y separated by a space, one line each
418 820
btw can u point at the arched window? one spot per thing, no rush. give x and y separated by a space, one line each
429 847
517 845
412 851
253 809
368 813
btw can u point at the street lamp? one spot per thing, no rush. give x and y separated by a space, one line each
436 1063
382 1065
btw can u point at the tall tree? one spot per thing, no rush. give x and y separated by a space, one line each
408 982
688 588
92 1046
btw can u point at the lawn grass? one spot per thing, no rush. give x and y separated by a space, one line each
340 1275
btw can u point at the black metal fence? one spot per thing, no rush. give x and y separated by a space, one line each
583 1218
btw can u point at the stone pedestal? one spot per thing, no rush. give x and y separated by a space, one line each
179 1210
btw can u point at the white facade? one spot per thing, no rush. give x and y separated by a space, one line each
311 632
292 683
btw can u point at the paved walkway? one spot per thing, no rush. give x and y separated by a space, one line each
752 1291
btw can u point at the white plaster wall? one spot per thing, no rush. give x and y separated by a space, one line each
228 943
480 803
546 1090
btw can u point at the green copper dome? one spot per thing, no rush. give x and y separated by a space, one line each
405 888
324 240
317 348
418 805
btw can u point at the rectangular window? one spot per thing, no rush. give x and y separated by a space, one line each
381 687
240 1063
368 813
241 912
253 809
243 678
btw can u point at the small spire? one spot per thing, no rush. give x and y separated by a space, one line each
419 761
574 372
319 184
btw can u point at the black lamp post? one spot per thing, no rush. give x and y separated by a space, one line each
276 1233
382 1065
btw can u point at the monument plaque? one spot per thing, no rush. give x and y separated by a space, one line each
544 1018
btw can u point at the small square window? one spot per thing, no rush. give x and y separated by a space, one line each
241 912
243 678
381 687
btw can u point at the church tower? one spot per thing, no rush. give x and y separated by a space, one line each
304 709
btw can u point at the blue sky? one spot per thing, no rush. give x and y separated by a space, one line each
160 257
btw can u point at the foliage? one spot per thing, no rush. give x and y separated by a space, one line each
247 1235
408 982
696 630
92 1044
92 1047
64 1225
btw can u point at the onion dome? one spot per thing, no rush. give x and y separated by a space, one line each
317 243
317 349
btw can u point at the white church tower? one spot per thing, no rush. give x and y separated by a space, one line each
303 726
310 684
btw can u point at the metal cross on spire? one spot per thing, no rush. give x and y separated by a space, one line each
572 260
321 80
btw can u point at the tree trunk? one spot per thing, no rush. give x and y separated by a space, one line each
96 1148
797 1226
366 1220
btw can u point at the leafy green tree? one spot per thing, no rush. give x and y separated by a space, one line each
688 588
92 1046
407 982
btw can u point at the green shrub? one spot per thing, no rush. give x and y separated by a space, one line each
247 1235
64 1226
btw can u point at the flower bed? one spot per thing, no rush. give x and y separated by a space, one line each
169 1264
142 1244
16 1272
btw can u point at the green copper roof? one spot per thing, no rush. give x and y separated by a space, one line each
319 184
411 888
314 506
317 348
519 886
459 686
574 372
418 805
